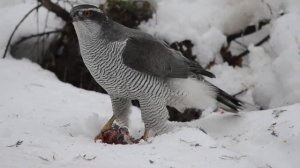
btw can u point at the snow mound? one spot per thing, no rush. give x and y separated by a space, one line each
279 82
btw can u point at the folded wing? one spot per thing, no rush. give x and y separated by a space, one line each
151 56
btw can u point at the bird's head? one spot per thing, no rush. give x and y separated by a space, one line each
87 19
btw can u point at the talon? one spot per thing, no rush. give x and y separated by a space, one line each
98 137
146 135
105 128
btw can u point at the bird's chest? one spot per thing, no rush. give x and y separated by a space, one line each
106 67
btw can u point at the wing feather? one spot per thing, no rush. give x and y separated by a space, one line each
151 56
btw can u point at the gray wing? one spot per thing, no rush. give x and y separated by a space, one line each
148 55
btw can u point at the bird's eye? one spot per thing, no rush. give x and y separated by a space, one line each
87 13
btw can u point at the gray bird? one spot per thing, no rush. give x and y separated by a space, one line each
133 65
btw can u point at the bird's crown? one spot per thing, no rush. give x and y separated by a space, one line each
82 12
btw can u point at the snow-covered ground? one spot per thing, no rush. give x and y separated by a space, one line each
55 122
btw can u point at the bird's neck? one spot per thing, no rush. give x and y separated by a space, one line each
99 48
90 46
105 39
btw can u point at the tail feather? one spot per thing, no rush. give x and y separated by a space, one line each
201 94
191 93
197 69
229 104
235 104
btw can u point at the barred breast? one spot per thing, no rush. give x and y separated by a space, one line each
104 61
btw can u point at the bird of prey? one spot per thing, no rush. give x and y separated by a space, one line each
133 65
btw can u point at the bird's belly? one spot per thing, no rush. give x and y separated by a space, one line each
112 82
114 85
121 83
125 82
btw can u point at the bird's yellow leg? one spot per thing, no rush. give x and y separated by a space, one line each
146 135
109 124
106 127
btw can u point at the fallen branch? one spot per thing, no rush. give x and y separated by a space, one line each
262 41
18 25
248 30
236 60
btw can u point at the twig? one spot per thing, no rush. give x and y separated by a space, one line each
241 44
44 159
38 30
227 157
235 60
248 30
240 92
84 157
18 143
37 35
269 7
257 44
277 113
12 34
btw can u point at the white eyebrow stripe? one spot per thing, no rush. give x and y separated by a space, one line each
94 9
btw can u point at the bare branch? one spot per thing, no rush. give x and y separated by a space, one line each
59 11
18 25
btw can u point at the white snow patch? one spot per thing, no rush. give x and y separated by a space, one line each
278 82
209 46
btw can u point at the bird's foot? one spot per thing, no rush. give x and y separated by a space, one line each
98 136
104 133
146 135
115 135
106 127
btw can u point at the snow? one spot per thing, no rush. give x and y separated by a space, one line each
250 134
56 122
283 70
209 45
